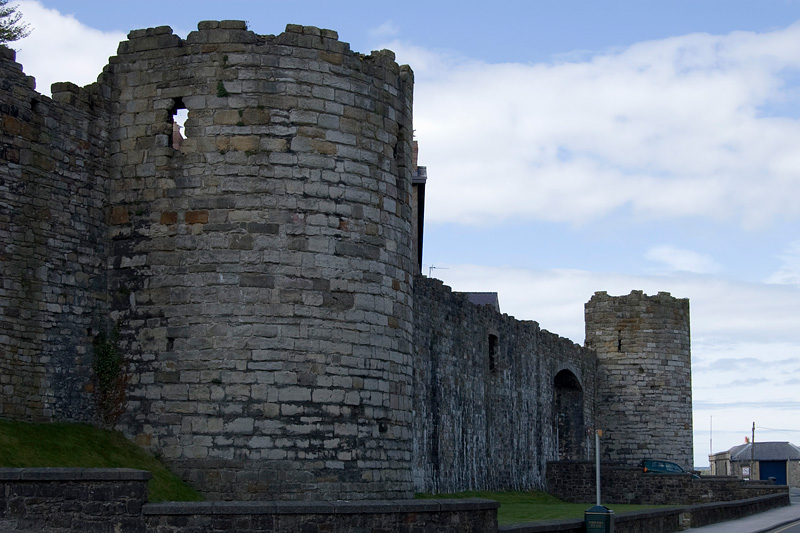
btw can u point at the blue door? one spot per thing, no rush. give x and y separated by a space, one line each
776 469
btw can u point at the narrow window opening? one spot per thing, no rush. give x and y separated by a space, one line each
493 342
179 115
619 340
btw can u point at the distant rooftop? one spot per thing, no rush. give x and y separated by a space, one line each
484 298
765 451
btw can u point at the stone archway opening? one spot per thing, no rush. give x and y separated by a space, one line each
568 421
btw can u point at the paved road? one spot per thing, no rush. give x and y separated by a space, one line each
783 520
794 527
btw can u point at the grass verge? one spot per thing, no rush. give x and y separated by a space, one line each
24 444
519 507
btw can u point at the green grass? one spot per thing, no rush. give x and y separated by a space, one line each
520 507
80 445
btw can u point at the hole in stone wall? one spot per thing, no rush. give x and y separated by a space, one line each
179 115
493 342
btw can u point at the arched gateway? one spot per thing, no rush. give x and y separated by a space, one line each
568 424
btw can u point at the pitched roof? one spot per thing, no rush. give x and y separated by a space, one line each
484 298
766 451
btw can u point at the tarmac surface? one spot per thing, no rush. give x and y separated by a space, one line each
770 521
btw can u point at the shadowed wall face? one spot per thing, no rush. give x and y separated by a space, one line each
53 173
490 391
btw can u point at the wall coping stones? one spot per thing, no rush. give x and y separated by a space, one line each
73 474
320 507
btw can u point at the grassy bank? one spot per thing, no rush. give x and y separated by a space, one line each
520 507
80 445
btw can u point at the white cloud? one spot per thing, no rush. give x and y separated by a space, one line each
385 31
670 128
677 259
60 48
789 272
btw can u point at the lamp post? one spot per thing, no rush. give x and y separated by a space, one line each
598 519
597 434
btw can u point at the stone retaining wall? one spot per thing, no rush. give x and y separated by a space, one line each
402 516
574 481
96 500
54 500
663 520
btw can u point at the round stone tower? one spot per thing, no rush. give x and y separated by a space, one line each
644 384
261 262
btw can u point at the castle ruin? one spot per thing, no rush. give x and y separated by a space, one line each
263 270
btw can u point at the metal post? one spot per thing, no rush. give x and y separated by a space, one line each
752 451
711 436
597 462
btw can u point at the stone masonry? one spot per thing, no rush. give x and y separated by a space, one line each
644 401
263 273
52 229
260 273
486 403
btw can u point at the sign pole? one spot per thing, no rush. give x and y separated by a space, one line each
597 434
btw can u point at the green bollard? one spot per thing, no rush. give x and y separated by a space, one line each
599 519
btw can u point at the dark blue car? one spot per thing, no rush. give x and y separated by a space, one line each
658 466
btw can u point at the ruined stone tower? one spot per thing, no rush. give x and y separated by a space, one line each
259 269
263 268
644 385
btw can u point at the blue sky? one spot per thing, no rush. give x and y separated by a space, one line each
574 147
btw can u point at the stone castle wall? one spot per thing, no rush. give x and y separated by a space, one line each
486 404
52 229
644 383
261 274
260 270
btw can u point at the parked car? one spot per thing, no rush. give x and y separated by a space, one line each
657 466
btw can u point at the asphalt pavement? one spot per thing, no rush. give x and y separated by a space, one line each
776 520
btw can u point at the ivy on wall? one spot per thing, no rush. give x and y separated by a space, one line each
112 375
